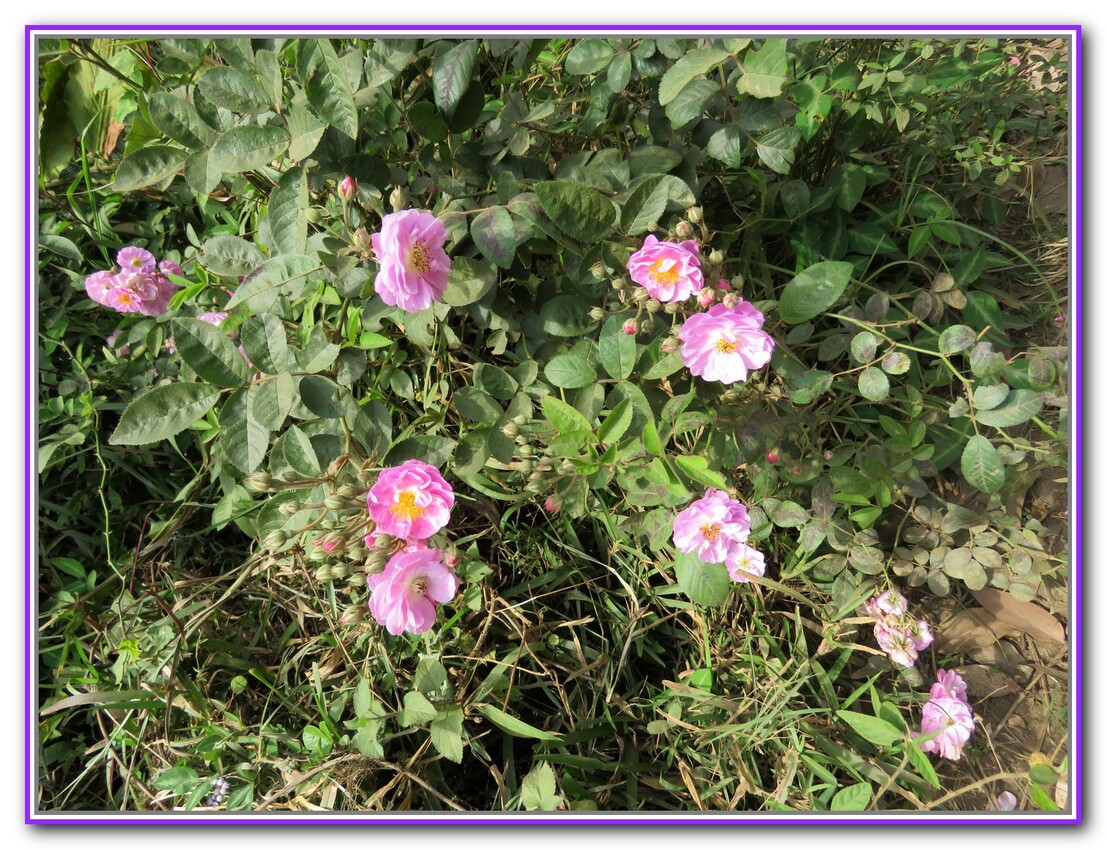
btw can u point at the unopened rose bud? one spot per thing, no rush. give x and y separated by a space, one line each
552 505
376 561
259 482
640 296
648 325
723 285
630 327
597 314
451 559
619 284
670 344
653 305
347 188
397 199
349 491
673 307
525 466
684 231
520 419
695 215
336 466
598 271
275 539
653 227
288 508
334 503
510 430
731 300
705 297
716 257
773 455
363 241
324 573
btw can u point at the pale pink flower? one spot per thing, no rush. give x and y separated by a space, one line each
897 644
405 593
949 684
711 526
414 267
725 344
919 633
743 561
630 327
950 721
670 271
99 285
134 259
135 293
169 267
111 341
215 317
891 601
1005 801
411 501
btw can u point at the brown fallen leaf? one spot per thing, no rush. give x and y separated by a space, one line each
1026 617
985 682
111 137
1000 654
971 629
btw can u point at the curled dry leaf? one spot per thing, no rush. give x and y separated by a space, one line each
971 629
1026 617
985 682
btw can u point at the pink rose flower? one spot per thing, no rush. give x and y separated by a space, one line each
725 344
896 643
135 293
950 721
133 259
723 285
711 526
411 501
670 271
216 317
949 684
99 286
414 267
919 633
169 267
743 561
552 505
405 593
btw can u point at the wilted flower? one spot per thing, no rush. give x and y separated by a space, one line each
669 271
725 344
743 561
405 593
414 267
411 501
948 718
711 526
949 684
900 634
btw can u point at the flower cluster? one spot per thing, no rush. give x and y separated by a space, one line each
408 504
901 635
414 266
716 529
139 285
947 717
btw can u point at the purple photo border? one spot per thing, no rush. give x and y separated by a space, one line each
1073 32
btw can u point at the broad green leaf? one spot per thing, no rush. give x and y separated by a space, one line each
242 436
695 467
982 465
863 346
305 131
230 256
589 56
813 291
580 211
618 73
764 71
651 440
179 779
852 798
692 101
445 733
469 109
777 148
496 382
287 213
1018 407
726 145
564 417
617 349
210 353
985 361
513 725
266 344
428 448
247 147
705 584
427 121
645 205
451 73
417 710
179 120
270 400
494 234
956 338
652 159
921 762
872 729
61 246
616 423
473 451
985 398
476 405
285 275
162 412
429 676
148 166
469 281
234 90
324 397
848 182
570 371
269 75
199 173
538 791
297 451
872 383
689 66
328 90
566 316
895 363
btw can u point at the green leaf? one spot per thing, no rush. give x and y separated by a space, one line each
616 423
538 791
162 412
691 102
298 451
872 729
147 166
305 131
695 467
705 584
1018 407
645 205
287 214
494 234
564 417
985 398
863 346
618 73
921 763
234 90
428 448
764 71
230 256
895 363
429 676
473 451
201 176
61 246
210 353
813 291
872 383
469 281
566 316
580 211
589 56
689 66
515 726
777 148
476 405
271 400
451 74
242 436
427 121
417 709
726 145
269 75
956 338
285 275
848 182
496 382
266 344
651 440
852 798
180 779
570 371
328 89
323 397
445 733
248 147
982 465
617 349
179 120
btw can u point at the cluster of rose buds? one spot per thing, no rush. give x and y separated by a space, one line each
901 635
716 529
947 720
139 285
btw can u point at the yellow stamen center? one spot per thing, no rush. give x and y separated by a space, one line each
419 586
125 298
405 507
710 532
726 347
665 278
420 259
